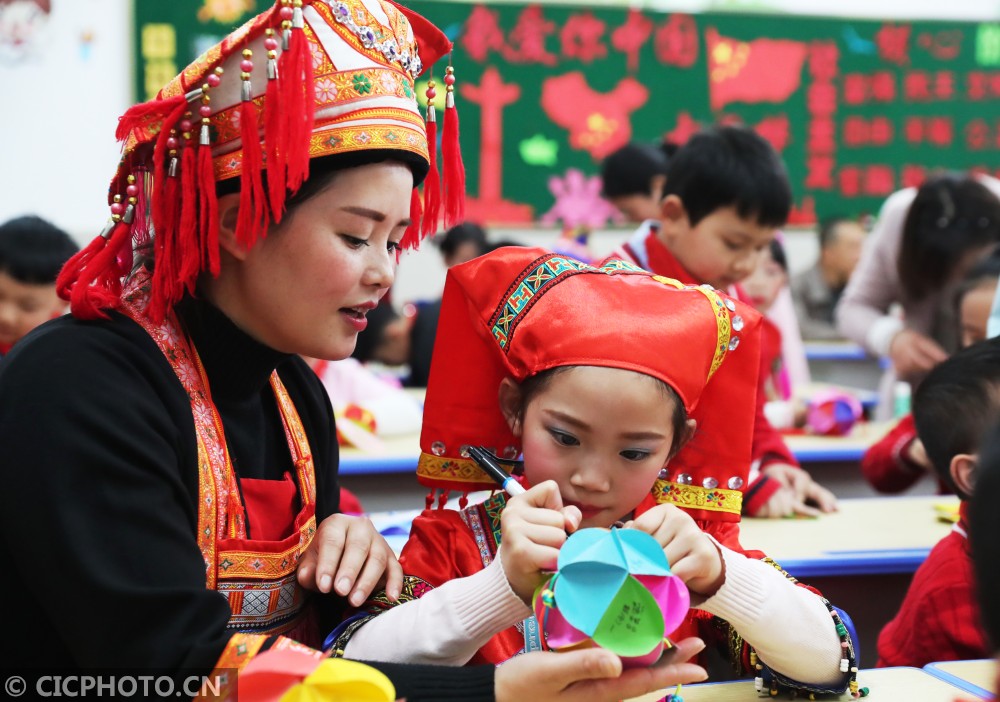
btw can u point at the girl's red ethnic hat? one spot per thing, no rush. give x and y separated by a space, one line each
519 311
304 79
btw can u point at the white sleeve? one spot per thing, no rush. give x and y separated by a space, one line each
444 627
789 626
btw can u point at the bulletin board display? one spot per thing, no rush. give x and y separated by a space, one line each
856 108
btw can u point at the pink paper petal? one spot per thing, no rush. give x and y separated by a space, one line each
673 597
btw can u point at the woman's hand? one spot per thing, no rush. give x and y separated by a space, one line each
533 527
593 675
692 555
348 555
914 354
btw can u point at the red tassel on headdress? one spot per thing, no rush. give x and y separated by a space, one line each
432 183
143 114
187 252
298 102
454 169
252 216
411 237
208 206
274 133
167 289
164 208
74 267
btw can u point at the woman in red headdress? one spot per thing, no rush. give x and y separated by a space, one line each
632 397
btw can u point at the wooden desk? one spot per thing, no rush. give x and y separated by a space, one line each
866 537
884 685
975 677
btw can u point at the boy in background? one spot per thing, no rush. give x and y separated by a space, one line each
953 409
32 251
726 194
632 179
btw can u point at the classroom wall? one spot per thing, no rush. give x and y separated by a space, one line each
73 80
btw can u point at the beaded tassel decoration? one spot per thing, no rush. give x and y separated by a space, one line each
453 183
274 134
208 204
252 220
432 184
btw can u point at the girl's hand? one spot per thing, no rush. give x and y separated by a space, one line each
348 555
692 555
804 490
533 527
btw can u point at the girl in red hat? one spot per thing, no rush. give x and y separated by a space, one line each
632 398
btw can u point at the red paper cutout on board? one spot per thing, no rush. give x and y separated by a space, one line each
630 37
775 131
977 134
762 70
944 85
822 135
492 95
482 34
917 86
912 176
893 43
579 202
879 180
598 123
676 41
581 37
819 172
527 39
944 45
823 57
686 128
804 214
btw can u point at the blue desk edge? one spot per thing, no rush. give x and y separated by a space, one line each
958 682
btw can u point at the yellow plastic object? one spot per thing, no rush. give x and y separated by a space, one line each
341 679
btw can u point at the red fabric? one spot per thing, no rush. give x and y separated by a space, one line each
519 311
758 492
767 444
349 502
271 507
939 619
886 466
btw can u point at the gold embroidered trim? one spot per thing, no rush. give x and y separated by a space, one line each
694 497
456 470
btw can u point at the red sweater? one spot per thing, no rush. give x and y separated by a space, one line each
886 466
939 618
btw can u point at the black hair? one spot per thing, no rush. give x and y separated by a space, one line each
951 215
956 404
984 534
669 148
630 170
828 228
777 252
466 232
985 270
530 388
493 246
33 250
369 339
730 167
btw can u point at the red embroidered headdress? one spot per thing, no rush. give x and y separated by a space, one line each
520 311
302 80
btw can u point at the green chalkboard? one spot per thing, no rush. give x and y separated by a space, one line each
857 108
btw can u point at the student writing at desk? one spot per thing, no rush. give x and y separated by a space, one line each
953 409
609 431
